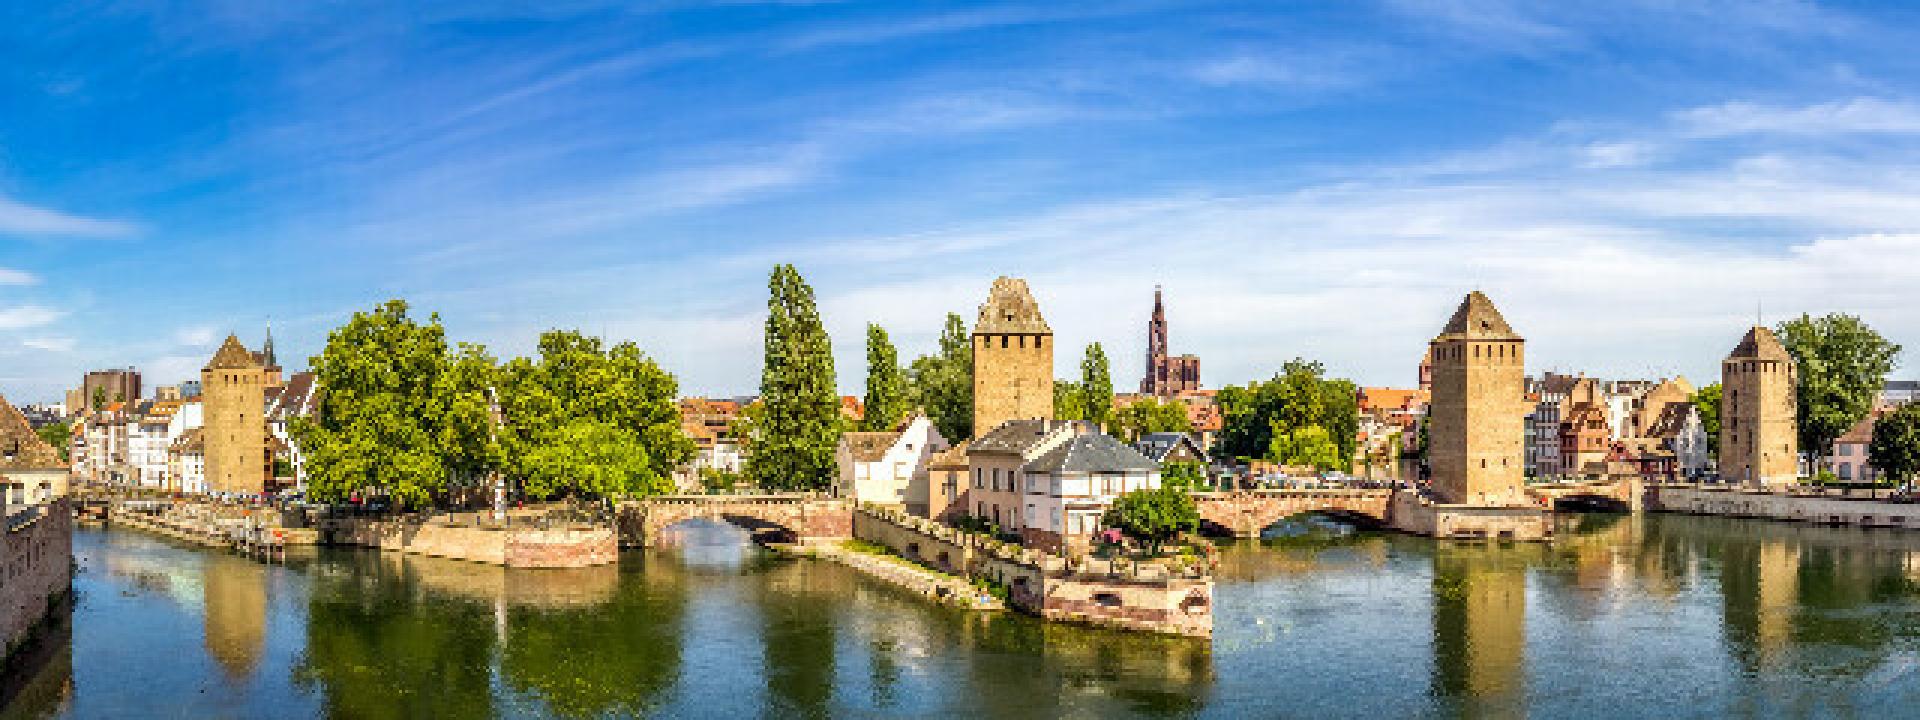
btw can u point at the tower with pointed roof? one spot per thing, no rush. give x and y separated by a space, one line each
1012 358
1759 438
233 391
1476 427
1167 375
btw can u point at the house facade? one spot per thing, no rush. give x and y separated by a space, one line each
890 468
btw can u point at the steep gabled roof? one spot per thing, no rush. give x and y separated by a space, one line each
1156 446
1010 309
1477 319
1016 437
232 356
1760 344
21 448
869 446
1091 452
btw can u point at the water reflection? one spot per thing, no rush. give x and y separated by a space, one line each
1619 616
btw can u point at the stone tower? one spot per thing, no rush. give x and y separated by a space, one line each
1758 436
1476 423
1012 358
233 388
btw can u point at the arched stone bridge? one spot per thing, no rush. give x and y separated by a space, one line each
799 517
1623 493
1246 512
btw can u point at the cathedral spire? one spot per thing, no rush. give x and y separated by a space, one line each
267 350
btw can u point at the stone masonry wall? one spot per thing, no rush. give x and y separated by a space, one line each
36 566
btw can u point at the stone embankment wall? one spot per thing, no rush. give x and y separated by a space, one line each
1145 597
36 569
513 547
1740 502
1413 513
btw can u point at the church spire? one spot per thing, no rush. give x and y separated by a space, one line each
267 350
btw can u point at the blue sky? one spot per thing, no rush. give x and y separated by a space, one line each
1630 180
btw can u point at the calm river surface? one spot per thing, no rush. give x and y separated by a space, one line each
1622 617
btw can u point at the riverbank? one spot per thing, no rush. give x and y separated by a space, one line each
36 555
875 562
1788 506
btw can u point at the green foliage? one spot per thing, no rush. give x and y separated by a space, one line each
1308 446
586 419
383 415
59 435
1266 420
1183 475
99 399
1151 415
282 468
1895 448
1825 477
1068 401
800 423
1154 516
886 399
1096 386
717 480
1843 364
1707 402
942 383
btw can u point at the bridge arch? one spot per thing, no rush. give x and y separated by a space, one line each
795 517
1248 512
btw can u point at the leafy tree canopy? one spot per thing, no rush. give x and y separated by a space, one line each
1895 448
1154 516
800 424
1266 417
1707 401
1151 415
1096 386
1843 365
589 419
1183 474
59 435
886 399
942 383
1068 402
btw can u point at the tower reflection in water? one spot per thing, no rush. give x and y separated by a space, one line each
1480 630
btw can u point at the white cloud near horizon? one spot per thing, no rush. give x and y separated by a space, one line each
18 218
21 317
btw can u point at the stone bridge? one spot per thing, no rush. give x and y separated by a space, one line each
1246 512
790 517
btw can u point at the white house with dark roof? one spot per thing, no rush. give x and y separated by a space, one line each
1067 489
890 468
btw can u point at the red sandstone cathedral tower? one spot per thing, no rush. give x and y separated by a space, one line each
1166 376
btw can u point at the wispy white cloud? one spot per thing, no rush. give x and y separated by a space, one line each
27 316
1855 115
196 336
10 276
49 344
18 218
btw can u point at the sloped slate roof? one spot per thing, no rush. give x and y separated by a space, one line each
1015 436
1090 453
1011 309
1671 421
232 356
1477 319
1156 446
869 446
1760 344
20 447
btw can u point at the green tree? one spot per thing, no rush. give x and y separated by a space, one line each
1308 446
381 423
1843 364
1265 417
99 399
942 383
590 419
1183 474
1096 386
801 423
1154 516
59 435
1068 402
1151 415
1895 448
1707 402
886 399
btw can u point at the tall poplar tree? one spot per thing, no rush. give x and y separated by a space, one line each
800 422
886 400
942 383
1096 386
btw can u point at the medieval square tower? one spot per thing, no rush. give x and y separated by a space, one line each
1759 436
1012 359
1476 423
233 388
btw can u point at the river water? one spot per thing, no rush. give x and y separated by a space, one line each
1621 617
